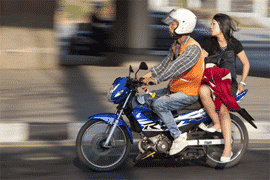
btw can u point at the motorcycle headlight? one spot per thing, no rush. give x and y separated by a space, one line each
112 89
118 93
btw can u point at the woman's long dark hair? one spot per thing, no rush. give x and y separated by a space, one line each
227 25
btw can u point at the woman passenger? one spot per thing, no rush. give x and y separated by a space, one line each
222 49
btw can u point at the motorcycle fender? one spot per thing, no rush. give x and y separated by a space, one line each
110 118
247 116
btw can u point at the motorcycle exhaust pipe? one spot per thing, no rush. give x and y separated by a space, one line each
205 142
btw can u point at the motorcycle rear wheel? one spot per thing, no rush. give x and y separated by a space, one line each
91 152
239 146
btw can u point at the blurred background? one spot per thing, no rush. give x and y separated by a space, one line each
41 30
58 59
56 55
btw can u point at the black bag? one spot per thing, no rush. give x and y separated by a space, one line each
224 59
216 59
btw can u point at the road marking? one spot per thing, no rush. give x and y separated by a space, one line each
31 50
73 144
14 132
41 158
259 149
34 145
17 135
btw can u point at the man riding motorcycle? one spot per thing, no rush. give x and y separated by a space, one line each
183 66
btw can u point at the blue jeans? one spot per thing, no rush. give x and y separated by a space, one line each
164 103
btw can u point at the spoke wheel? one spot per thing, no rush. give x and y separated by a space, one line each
239 146
90 149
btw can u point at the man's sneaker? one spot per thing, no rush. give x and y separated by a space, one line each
179 144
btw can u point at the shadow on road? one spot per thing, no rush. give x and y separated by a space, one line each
84 99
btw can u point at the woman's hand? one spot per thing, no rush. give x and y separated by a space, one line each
240 88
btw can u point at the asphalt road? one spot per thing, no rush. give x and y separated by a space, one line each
60 162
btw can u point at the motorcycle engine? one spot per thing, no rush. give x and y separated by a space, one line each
163 146
161 143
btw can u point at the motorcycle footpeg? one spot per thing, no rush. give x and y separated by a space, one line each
144 155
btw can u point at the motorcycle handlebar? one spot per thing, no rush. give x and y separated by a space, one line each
137 82
149 83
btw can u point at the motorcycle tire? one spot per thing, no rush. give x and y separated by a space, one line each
239 146
89 147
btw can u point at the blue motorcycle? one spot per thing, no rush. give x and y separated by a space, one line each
103 143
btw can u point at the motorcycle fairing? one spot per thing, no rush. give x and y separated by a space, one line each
191 115
243 111
155 124
110 118
183 119
121 87
145 122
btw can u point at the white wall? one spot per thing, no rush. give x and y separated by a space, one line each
259 13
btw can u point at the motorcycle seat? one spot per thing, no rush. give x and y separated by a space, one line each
193 107
196 106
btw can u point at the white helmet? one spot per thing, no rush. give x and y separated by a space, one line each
185 18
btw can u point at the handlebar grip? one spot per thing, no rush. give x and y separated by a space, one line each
151 83
141 79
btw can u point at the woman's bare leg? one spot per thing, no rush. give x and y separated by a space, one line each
205 95
226 126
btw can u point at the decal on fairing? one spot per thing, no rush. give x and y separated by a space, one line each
191 115
146 123
152 127
156 124
187 121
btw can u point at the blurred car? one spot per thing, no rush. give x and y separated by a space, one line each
94 43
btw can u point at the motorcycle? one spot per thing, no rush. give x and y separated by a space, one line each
103 143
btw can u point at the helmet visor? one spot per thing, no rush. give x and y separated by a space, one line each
169 17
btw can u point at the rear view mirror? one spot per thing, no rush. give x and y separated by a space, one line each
143 66
131 69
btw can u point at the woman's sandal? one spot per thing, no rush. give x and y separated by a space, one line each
226 159
211 130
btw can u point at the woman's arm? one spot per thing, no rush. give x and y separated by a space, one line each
244 60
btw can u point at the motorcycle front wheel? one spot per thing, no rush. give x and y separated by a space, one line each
239 146
92 153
